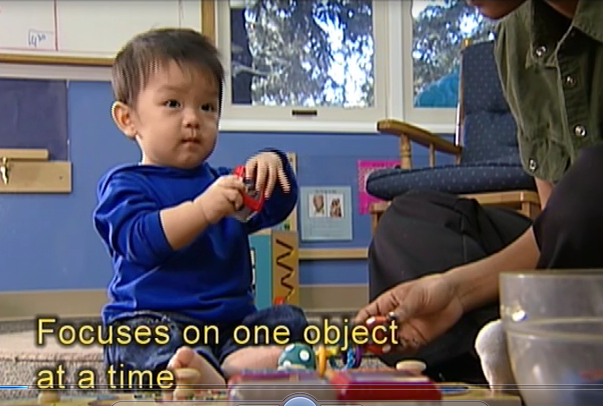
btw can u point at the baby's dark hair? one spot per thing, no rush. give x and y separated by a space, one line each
136 61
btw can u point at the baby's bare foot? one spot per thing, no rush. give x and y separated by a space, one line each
197 375
186 357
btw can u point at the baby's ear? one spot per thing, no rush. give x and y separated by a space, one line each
122 115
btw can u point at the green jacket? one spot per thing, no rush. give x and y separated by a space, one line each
552 75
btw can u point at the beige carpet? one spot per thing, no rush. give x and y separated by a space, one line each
21 362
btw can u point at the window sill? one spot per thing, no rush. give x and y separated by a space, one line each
320 127
293 126
56 72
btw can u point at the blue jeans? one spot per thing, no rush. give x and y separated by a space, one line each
154 357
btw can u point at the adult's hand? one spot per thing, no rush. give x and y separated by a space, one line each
424 308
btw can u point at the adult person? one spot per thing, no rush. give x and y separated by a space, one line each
550 59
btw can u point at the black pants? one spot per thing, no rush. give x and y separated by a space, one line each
427 232
568 231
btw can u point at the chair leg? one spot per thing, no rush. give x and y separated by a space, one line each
375 221
530 209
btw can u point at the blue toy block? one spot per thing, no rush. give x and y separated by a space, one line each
275 264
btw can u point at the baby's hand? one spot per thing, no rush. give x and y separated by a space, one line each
267 168
222 198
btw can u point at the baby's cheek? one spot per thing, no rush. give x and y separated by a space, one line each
211 126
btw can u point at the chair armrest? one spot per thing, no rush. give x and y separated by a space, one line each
378 207
418 135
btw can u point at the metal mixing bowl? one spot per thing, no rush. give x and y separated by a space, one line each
554 326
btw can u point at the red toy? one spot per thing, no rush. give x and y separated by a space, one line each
384 333
347 387
383 385
253 200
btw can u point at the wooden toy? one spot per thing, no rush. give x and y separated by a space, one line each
253 200
356 387
461 394
275 266
110 400
411 365
46 397
216 398
382 385
322 356
277 385
457 394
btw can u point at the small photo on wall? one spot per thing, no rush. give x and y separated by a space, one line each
326 213
317 204
335 203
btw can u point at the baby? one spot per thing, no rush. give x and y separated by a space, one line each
179 256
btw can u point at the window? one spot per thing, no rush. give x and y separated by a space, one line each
434 35
341 65
303 62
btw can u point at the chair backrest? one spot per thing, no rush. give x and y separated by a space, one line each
488 129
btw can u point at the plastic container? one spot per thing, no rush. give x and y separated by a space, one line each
554 326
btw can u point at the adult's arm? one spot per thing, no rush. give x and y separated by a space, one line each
476 283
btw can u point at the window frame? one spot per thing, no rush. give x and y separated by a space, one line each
396 89
437 120
329 119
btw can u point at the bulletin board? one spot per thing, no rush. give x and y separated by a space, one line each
89 32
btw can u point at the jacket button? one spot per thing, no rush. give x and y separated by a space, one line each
580 131
532 165
570 81
540 51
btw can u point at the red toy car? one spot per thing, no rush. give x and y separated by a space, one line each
253 200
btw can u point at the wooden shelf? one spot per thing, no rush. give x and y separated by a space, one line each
24 154
332 254
30 171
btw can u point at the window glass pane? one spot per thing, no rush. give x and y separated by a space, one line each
306 53
439 28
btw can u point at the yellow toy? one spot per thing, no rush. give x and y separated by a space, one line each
327 355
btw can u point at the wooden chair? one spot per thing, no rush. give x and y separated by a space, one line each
487 168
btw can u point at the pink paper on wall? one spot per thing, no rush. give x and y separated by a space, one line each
365 168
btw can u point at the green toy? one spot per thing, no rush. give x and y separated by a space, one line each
297 356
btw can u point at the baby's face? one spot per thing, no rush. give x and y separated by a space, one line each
319 202
176 117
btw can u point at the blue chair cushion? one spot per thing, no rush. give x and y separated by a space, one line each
388 183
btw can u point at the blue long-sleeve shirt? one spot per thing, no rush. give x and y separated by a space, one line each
209 280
